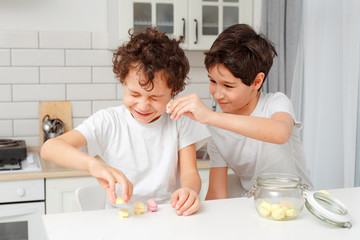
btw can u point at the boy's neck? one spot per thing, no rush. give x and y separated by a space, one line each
250 107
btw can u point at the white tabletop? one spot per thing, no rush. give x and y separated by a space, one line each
234 218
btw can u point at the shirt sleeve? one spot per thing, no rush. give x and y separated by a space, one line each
94 128
191 132
216 160
281 103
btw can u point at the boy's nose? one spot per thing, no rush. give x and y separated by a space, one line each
143 105
218 94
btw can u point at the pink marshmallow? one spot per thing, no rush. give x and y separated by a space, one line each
151 205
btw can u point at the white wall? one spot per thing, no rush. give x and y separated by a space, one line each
55 50
53 15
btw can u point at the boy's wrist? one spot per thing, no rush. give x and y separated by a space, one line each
212 118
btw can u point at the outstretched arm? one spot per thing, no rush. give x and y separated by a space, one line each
276 129
63 151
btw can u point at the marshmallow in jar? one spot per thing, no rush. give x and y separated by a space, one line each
278 196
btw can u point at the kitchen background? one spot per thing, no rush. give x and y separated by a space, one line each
54 50
58 50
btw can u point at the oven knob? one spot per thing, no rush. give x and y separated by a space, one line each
20 192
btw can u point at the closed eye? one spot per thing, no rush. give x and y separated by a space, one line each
212 81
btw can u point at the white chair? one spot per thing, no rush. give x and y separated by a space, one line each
234 187
90 198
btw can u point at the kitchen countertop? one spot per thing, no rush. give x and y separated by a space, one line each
51 170
234 218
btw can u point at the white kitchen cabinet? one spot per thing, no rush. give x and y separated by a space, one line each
60 193
200 21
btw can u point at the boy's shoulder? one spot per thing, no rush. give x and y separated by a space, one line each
110 112
273 98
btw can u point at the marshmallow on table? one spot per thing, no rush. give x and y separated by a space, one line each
151 205
139 207
123 212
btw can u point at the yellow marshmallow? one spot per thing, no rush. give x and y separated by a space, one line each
265 205
290 212
278 214
124 213
139 207
274 206
325 192
264 212
120 200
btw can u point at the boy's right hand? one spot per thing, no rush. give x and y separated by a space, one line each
189 105
107 177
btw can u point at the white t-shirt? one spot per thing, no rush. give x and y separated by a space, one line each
249 158
146 153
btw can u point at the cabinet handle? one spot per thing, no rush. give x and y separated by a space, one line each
183 19
196 31
18 211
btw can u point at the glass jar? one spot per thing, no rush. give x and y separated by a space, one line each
278 196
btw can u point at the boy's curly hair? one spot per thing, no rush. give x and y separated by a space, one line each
244 52
152 51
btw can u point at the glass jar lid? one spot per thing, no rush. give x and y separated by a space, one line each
278 180
328 209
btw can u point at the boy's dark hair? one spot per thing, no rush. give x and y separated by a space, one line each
152 51
244 52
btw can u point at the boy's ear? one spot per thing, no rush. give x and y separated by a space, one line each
258 80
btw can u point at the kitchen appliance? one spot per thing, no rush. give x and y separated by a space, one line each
52 127
22 202
55 110
12 152
14 158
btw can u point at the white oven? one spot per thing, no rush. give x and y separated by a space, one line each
22 203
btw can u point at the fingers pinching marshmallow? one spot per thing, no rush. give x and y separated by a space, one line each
151 205
119 200
139 207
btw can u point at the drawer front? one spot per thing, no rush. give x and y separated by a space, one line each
22 190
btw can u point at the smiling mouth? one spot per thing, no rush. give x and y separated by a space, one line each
223 103
142 114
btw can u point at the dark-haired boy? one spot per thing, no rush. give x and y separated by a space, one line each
256 132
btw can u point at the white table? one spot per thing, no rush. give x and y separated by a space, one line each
234 218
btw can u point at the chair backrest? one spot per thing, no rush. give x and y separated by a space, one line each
234 187
90 198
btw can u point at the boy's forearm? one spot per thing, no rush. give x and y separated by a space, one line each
263 129
63 154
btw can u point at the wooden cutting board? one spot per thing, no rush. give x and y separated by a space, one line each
55 109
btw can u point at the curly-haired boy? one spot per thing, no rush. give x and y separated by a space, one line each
148 154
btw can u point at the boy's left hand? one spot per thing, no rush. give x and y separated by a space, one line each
186 201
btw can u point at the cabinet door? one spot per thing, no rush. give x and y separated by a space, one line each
60 193
208 18
168 15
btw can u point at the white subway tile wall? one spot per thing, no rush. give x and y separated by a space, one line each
59 66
